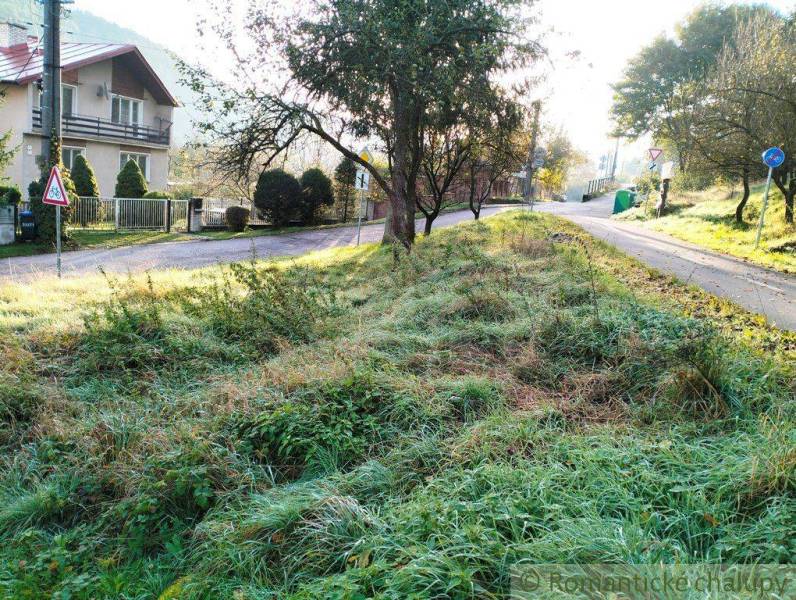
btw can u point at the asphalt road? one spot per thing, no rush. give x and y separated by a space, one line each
760 290
201 253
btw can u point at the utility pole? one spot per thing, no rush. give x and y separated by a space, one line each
51 81
537 108
616 156
51 103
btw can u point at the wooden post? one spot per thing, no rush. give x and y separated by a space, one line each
168 215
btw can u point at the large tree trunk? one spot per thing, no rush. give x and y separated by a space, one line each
788 192
400 229
742 203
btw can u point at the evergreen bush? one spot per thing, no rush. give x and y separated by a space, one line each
278 196
316 191
83 176
237 218
130 182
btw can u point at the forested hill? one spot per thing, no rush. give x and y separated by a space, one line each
85 27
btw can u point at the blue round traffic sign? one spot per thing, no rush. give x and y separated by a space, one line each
773 157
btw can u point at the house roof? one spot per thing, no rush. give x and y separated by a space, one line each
22 64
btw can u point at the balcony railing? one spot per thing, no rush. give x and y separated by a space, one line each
79 125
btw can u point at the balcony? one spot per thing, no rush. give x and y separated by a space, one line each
95 127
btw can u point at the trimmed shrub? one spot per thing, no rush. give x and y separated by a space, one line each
278 196
237 218
316 191
130 182
10 194
83 176
157 195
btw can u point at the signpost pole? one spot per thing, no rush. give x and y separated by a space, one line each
772 158
58 240
359 218
763 209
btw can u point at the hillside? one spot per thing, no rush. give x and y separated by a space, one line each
341 426
82 26
707 218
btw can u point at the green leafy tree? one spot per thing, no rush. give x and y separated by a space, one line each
755 78
658 93
316 191
130 182
364 68
278 196
344 175
83 176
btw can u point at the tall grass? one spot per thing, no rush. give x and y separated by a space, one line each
344 426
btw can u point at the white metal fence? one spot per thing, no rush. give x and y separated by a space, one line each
128 214
125 214
214 211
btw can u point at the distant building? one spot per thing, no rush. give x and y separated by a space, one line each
115 108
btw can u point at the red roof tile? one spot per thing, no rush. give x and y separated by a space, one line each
22 64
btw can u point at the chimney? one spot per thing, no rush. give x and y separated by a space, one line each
12 34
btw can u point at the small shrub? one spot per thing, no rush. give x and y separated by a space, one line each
10 194
85 181
157 195
276 306
130 182
278 196
333 420
237 218
335 424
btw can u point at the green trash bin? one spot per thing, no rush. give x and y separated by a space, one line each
623 200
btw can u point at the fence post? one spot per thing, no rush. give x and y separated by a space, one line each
168 215
116 214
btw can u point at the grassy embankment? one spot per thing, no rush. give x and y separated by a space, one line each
341 427
708 220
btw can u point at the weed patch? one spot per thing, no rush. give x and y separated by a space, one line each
345 426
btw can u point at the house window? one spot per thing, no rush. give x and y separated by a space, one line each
141 159
68 99
127 111
68 155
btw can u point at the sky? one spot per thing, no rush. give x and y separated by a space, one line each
577 92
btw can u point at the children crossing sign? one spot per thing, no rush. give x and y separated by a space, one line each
54 192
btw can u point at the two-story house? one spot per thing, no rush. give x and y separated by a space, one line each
115 108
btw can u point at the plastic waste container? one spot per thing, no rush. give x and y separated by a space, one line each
27 225
623 200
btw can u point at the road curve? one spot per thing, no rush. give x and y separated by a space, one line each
201 253
763 291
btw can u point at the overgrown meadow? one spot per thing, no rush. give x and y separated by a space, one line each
344 426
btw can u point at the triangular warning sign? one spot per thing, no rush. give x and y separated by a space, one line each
55 193
655 153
